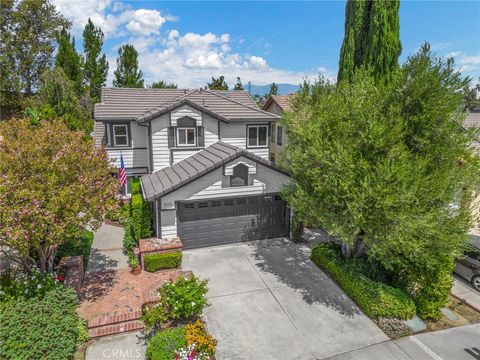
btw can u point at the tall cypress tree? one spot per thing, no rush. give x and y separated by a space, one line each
68 59
372 38
96 66
127 73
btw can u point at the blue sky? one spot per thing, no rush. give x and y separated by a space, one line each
188 42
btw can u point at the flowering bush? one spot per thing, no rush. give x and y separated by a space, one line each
190 353
198 337
26 286
154 315
185 298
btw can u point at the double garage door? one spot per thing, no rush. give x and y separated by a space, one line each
231 220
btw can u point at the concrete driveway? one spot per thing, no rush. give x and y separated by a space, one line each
269 301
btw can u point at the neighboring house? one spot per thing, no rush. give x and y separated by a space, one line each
278 104
203 160
473 121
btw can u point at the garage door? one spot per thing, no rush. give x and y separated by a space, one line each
230 220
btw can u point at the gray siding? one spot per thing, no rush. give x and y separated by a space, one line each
137 154
265 180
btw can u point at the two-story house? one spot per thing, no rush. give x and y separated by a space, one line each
278 104
203 161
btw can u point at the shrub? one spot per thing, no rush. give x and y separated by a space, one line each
41 328
133 261
374 298
434 295
119 214
196 335
141 217
135 186
129 240
185 298
80 245
154 262
162 345
154 315
26 286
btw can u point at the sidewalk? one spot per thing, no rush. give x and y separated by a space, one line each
460 343
463 290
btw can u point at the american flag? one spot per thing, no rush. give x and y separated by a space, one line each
122 174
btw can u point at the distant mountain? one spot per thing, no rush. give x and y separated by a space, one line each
283 89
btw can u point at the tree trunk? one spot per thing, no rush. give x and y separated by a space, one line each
346 251
46 257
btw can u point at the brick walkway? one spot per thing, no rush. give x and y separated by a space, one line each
116 292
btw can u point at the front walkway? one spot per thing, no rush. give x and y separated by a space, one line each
269 301
111 295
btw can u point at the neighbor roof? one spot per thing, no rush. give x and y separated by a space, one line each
473 118
284 101
146 104
168 179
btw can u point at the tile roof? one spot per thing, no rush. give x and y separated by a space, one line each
472 119
144 104
168 179
284 101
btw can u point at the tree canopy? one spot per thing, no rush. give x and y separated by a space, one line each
54 184
128 73
218 83
163 85
68 59
238 84
96 65
372 38
387 167
29 31
273 90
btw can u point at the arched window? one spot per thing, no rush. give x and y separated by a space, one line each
240 176
186 132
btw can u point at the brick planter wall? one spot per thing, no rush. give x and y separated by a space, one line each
158 246
72 266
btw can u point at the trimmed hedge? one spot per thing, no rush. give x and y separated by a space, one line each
80 245
135 186
129 241
141 213
376 299
154 262
41 328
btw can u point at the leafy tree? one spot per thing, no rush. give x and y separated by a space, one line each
58 97
238 85
372 38
473 95
68 59
218 83
54 184
273 90
163 85
386 168
96 65
127 73
26 50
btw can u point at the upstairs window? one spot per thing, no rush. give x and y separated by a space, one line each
257 135
186 132
186 136
120 135
240 176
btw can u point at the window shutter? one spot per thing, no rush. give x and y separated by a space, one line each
200 136
171 136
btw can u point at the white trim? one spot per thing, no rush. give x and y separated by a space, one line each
186 138
115 136
258 132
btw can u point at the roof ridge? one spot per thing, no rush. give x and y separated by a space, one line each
239 103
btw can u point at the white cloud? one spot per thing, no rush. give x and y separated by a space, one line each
190 60
115 18
467 64
145 22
